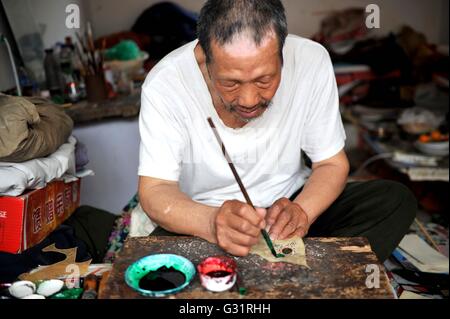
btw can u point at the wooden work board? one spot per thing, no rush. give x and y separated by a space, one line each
338 269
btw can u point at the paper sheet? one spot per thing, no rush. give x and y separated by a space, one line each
411 295
296 244
422 256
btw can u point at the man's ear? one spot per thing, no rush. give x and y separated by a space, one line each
202 51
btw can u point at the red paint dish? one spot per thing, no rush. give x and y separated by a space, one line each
217 273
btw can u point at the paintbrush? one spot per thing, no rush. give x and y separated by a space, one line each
241 186
90 64
84 66
90 44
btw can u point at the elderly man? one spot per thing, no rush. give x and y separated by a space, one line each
271 96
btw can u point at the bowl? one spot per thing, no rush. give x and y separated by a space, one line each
144 266
218 273
433 148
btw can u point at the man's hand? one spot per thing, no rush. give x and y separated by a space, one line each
238 226
287 219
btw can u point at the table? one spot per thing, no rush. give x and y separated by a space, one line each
124 106
337 270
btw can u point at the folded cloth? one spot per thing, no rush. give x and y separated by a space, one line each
31 127
15 178
140 224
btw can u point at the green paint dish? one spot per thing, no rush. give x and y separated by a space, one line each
151 265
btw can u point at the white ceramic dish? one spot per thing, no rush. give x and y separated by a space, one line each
433 148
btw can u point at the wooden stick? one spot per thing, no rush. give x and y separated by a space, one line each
241 186
101 58
84 66
90 44
90 52
427 234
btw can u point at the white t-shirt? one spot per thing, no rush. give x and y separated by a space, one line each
177 143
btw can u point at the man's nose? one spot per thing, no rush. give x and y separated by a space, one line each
249 97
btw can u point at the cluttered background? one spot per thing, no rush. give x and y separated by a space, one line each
81 63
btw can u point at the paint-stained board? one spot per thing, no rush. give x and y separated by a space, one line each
339 268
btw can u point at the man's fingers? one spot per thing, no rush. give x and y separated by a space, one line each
238 227
283 218
249 214
240 217
242 239
294 222
273 213
234 249
301 232
262 212
275 210
243 226
298 222
288 230
240 251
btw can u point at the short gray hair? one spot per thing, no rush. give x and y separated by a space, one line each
221 20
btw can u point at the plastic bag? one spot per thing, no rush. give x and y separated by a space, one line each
418 120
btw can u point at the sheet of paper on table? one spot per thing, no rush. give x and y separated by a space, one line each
423 256
412 295
415 159
418 174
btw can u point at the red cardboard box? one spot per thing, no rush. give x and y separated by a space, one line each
27 219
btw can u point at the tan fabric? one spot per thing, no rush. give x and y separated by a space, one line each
31 128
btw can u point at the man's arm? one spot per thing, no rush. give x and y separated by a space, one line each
234 226
324 186
175 211
327 181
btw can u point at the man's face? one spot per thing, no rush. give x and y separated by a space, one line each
246 76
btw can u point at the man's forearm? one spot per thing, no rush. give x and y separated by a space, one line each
176 212
323 187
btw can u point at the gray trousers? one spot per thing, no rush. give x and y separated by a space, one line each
380 210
